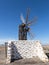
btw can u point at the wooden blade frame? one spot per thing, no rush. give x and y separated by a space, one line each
32 21
28 10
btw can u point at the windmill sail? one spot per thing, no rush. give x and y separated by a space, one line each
27 15
31 35
32 21
22 19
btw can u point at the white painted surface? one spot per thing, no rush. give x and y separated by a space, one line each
25 49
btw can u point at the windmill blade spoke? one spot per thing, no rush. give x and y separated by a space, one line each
28 10
31 35
32 22
22 19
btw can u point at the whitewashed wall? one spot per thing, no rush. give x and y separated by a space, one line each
25 49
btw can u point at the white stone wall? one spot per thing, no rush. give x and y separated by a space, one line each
25 49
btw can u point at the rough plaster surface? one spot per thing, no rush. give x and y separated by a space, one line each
25 49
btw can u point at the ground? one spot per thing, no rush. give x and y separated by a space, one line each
22 61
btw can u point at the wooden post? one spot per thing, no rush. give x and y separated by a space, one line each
6 49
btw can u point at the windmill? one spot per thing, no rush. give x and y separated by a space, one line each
24 27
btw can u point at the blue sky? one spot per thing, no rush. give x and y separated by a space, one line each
10 11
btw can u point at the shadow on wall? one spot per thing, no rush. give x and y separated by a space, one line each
47 55
15 55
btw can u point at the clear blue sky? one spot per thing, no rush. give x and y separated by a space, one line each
10 11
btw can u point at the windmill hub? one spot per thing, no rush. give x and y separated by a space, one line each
23 25
26 29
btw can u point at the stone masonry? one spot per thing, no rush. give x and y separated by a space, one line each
25 49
